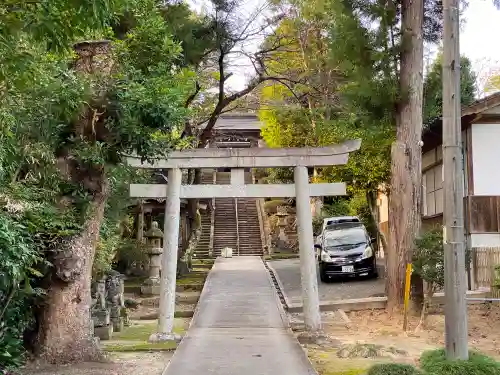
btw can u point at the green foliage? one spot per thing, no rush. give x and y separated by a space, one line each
196 33
130 253
496 278
428 257
55 23
339 207
492 84
18 257
138 108
393 369
435 363
354 205
433 88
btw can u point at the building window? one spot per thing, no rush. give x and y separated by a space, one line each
432 180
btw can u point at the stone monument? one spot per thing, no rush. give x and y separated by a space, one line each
115 300
282 242
154 237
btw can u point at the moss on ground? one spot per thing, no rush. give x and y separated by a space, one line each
141 331
142 347
203 261
328 363
195 279
281 256
134 281
135 338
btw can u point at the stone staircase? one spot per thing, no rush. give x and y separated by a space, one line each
244 238
225 233
248 227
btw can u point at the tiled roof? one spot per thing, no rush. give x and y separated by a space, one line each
238 121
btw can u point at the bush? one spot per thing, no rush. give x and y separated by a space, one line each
434 362
428 258
130 254
393 369
17 256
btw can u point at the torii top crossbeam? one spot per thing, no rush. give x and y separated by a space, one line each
253 157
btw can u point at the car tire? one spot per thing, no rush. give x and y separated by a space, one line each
324 278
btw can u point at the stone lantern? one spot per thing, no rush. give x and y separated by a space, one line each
154 238
281 213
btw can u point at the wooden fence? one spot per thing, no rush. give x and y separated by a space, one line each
484 260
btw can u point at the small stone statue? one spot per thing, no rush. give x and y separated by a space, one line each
100 313
115 301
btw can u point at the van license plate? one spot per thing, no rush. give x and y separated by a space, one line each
348 269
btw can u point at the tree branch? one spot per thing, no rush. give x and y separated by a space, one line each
191 97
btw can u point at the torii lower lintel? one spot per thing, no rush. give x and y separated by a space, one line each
237 191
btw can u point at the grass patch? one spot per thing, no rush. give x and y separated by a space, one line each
141 332
142 347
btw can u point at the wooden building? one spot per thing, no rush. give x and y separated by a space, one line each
481 153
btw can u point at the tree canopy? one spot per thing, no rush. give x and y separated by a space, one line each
433 88
75 97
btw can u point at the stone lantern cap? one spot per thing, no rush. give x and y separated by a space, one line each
154 231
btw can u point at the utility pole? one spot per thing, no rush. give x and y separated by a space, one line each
454 240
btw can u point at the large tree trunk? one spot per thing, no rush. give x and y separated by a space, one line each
406 170
65 328
65 333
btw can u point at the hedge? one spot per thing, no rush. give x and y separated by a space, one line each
434 362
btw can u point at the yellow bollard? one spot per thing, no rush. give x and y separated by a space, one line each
407 295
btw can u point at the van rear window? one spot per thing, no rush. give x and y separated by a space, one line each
339 221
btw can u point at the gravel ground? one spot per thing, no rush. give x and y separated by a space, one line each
288 271
119 364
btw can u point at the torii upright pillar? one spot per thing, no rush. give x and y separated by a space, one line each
308 272
169 260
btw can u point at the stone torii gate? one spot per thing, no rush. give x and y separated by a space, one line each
237 160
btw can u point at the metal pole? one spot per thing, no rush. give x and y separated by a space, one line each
454 241
308 274
169 260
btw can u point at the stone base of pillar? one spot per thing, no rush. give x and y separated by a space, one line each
104 333
150 290
118 324
164 337
101 317
151 287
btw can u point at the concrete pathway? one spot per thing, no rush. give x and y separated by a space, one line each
239 328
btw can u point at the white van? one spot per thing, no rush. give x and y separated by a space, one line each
335 220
